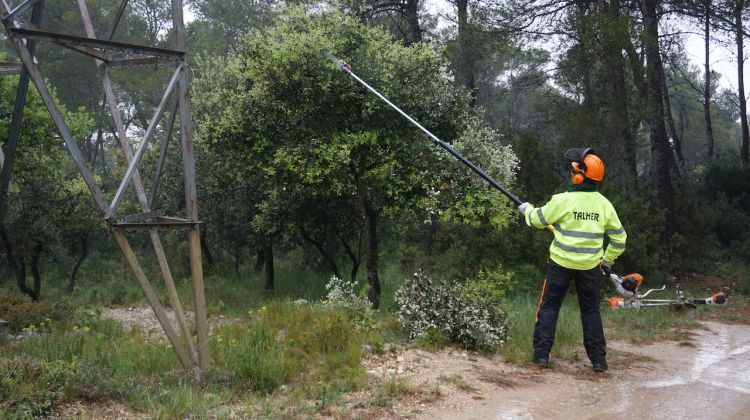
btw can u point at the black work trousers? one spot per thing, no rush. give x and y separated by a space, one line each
555 288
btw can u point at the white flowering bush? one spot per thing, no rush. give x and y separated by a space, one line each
424 308
343 294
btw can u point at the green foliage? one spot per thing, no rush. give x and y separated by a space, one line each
426 309
528 278
490 286
644 223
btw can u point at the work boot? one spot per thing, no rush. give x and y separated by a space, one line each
542 362
600 366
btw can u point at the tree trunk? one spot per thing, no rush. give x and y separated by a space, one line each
432 231
97 144
206 251
741 82
322 251
707 87
661 153
676 139
17 265
372 257
414 33
269 275
354 257
35 271
237 260
260 259
84 253
616 75
371 221
582 57
465 56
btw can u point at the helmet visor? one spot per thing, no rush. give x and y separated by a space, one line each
577 154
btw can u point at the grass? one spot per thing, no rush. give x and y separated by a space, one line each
457 381
318 354
637 326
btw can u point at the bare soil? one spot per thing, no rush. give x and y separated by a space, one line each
707 373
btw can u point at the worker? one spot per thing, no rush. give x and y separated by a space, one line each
581 218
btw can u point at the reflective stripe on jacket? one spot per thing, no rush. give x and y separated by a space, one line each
581 220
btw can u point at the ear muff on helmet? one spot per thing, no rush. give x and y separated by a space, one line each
578 173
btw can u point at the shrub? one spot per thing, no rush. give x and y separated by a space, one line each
30 388
490 286
424 308
20 312
341 294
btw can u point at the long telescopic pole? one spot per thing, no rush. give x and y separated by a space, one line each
345 68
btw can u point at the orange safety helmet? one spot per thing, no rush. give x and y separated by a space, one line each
584 164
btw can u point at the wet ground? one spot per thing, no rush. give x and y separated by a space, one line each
705 377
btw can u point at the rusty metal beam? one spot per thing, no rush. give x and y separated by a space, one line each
58 38
10 64
191 195
133 62
141 217
160 224
91 52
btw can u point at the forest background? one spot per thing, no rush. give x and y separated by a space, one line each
303 175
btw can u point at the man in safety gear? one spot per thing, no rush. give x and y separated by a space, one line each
581 218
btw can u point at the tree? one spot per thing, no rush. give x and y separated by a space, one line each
45 198
740 8
221 23
309 136
661 154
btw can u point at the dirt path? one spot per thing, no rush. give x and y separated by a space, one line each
706 377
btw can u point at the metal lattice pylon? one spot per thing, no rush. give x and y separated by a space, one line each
24 32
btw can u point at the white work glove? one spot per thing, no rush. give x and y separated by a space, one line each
522 208
606 267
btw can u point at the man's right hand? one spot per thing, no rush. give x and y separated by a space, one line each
522 208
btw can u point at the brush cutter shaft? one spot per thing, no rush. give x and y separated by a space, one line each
344 67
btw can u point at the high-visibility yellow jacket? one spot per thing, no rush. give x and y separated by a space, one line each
581 220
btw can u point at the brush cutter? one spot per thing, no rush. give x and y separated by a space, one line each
629 289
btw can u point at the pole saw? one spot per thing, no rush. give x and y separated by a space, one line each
346 68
